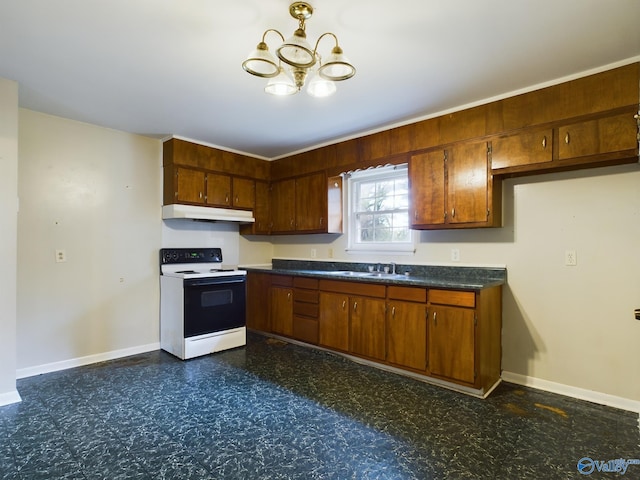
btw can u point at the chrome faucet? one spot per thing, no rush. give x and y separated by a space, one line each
393 267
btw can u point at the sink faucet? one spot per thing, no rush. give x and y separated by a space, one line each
393 267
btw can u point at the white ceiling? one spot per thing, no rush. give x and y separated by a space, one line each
173 67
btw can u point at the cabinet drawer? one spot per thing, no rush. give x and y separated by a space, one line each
410 294
305 296
306 309
353 288
305 282
305 329
453 297
283 280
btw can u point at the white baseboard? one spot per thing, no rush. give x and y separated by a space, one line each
575 392
9 398
81 361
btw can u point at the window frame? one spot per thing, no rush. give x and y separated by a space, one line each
378 173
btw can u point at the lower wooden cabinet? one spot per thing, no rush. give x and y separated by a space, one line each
368 329
282 305
306 307
407 327
451 335
452 343
464 336
334 321
258 301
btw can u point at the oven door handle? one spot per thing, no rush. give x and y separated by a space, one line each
200 282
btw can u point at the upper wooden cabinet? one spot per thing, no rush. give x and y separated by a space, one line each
198 187
611 134
427 189
261 211
527 148
609 138
453 188
307 204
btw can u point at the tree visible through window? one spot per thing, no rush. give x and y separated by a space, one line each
379 207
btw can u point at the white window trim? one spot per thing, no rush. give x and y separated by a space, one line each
408 248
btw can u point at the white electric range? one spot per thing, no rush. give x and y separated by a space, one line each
202 302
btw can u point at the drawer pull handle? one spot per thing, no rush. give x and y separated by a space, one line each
288 296
393 311
355 306
435 319
344 304
453 213
544 142
567 138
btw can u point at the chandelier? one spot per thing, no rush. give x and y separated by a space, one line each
297 61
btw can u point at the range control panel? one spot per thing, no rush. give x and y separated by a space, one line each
190 255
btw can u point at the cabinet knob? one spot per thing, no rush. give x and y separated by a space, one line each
544 142
289 296
226 198
236 200
567 138
453 212
344 304
200 195
435 319
355 306
393 311
321 221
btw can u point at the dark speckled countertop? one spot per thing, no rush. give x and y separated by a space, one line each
466 278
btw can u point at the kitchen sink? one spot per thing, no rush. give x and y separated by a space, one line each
349 273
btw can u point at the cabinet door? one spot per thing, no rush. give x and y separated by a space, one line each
283 206
407 334
367 327
311 203
218 190
258 301
467 183
282 310
426 189
604 135
189 186
262 210
334 321
522 149
452 343
244 193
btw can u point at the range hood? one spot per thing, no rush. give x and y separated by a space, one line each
210 214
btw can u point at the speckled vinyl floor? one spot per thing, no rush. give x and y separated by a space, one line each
279 411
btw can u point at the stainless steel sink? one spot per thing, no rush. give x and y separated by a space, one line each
348 273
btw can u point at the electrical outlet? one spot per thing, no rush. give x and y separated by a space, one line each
570 258
61 256
314 253
455 254
330 253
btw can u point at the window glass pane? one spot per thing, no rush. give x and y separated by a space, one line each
379 206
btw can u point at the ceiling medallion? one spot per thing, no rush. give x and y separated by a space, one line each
297 60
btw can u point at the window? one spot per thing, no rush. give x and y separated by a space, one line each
379 210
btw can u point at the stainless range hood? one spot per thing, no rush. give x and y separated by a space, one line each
210 214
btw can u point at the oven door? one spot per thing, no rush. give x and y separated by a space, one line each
214 304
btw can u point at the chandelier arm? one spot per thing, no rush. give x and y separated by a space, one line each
264 35
315 49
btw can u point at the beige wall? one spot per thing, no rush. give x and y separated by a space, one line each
95 193
8 238
569 325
